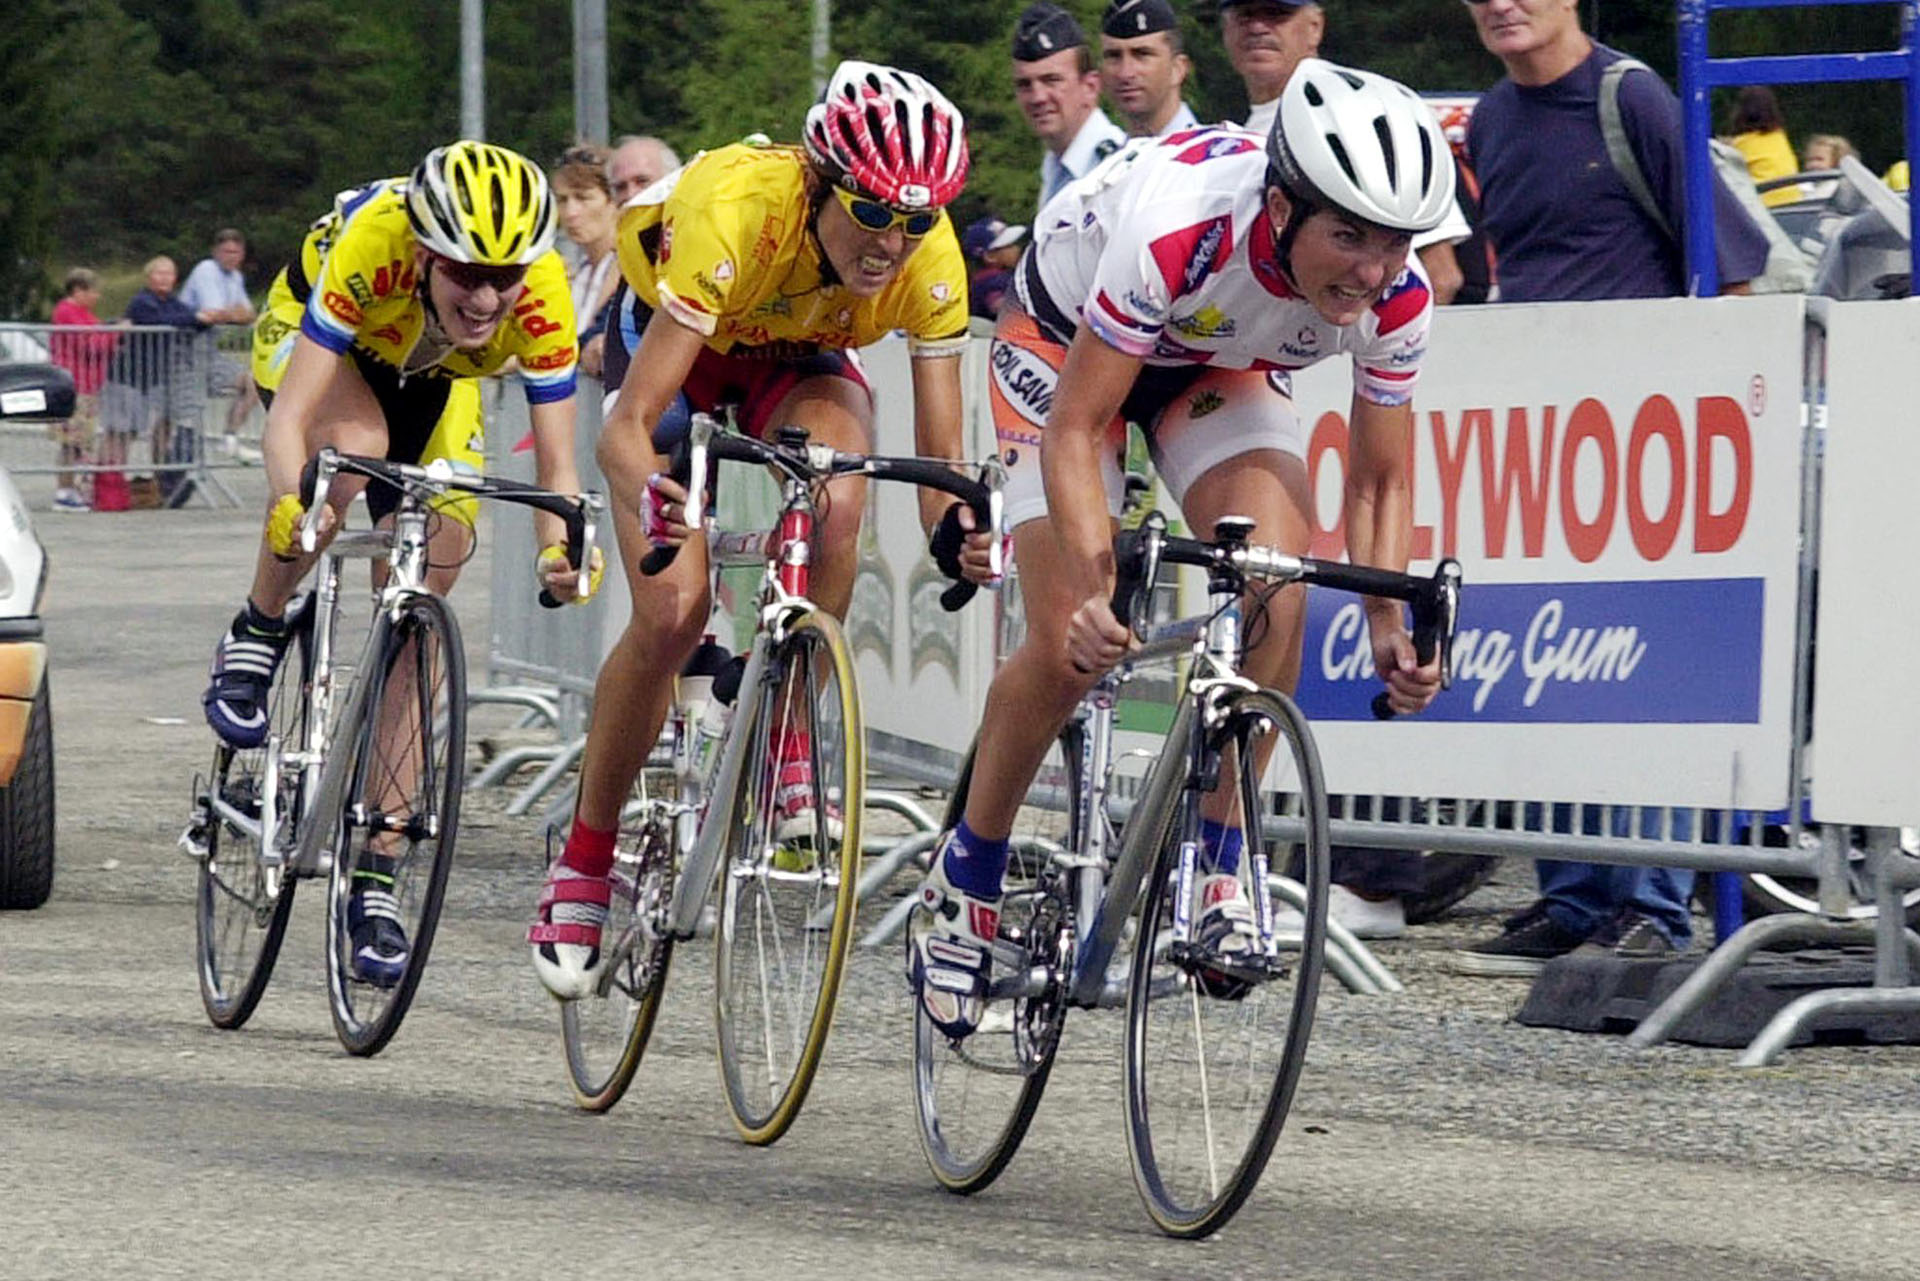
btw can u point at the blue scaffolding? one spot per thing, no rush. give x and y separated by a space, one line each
1701 74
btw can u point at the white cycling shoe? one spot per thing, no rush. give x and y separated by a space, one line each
949 942
566 932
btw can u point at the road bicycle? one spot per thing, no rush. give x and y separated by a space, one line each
1099 915
362 768
782 901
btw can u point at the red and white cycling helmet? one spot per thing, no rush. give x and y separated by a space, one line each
888 135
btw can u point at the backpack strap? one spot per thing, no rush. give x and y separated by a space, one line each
1619 147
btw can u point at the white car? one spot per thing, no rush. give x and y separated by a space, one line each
30 393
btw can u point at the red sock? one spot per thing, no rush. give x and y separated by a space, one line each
589 851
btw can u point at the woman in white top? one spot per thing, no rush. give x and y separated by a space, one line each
590 217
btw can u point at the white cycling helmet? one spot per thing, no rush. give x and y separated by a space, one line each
1355 141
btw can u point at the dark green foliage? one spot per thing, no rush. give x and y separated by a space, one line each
136 127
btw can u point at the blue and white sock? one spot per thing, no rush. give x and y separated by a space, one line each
1220 847
974 864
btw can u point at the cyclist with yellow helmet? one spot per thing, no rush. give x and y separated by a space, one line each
402 296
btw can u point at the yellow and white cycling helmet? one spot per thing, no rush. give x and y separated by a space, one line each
478 203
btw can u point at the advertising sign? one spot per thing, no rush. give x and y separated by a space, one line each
1620 482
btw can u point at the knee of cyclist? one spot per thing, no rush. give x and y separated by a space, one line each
666 637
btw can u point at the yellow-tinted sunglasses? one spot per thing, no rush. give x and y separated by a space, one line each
871 215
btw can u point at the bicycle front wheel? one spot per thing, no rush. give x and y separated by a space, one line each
245 891
974 1098
1215 1043
788 871
394 843
606 1031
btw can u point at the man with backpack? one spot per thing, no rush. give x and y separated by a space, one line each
1571 217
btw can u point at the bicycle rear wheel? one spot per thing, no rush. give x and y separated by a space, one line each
244 897
788 880
606 1031
1213 1051
974 1098
399 814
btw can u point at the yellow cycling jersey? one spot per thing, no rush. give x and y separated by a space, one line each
725 248
356 275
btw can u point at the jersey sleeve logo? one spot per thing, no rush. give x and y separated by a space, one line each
1213 148
1188 256
532 323
1401 304
342 309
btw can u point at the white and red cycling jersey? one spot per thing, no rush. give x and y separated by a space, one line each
1166 252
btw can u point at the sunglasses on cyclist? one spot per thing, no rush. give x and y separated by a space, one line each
470 277
871 215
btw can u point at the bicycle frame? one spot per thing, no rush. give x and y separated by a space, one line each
787 557
1104 902
783 597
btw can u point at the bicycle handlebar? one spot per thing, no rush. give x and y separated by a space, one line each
577 512
802 461
1232 562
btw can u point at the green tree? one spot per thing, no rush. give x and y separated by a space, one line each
27 72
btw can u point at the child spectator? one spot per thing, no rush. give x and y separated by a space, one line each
1822 154
992 248
82 352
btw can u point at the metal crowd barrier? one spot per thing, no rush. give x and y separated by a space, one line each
542 661
173 404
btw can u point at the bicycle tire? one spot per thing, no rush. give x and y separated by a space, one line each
800 890
1185 1019
419 687
605 1033
971 1126
241 908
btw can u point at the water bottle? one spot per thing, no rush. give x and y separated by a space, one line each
696 677
712 725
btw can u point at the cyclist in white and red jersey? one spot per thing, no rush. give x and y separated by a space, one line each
1176 287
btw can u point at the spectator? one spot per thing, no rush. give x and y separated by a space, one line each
1266 39
637 162
583 196
1760 133
1565 226
992 248
1559 241
1143 65
82 352
1058 90
1822 154
217 287
152 385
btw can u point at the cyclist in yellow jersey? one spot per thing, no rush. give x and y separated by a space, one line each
754 272
405 294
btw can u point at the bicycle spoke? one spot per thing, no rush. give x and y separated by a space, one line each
790 859
402 806
1216 1039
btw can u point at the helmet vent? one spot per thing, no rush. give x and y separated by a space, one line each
1385 135
498 206
1314 96
1345 161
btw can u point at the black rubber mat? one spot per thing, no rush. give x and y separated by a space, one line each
1604 993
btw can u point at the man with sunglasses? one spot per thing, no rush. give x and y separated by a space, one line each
1177 287
402 296
754 274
